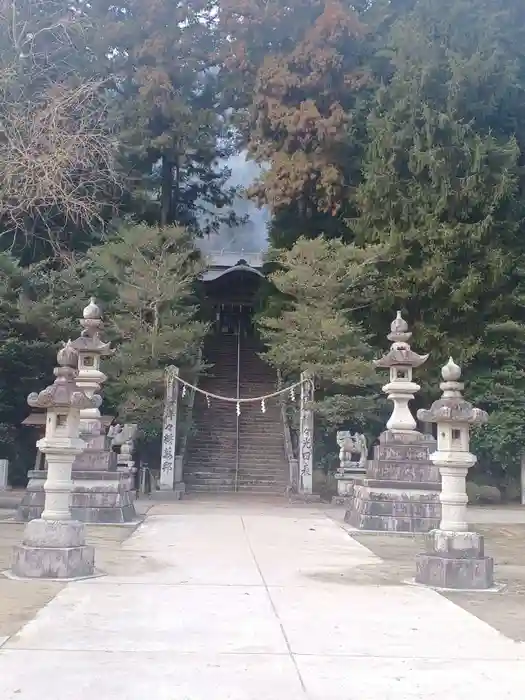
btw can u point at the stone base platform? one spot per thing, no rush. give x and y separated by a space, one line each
53 550
394 507
401 490
166 495
455 560
97 457
345 486
98 497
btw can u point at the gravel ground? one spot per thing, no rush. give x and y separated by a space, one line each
21 600
504 611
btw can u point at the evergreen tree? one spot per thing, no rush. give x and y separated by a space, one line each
171 129
154 316
304 76
443 190
26 363
312 325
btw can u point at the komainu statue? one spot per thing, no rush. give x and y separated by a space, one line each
353 451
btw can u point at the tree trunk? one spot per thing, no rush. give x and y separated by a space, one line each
166 195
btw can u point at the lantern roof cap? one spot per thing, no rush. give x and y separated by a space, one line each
400 353
64 392
452 407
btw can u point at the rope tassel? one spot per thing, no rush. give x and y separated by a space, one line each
238 408
263 406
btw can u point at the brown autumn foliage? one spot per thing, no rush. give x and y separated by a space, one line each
307 78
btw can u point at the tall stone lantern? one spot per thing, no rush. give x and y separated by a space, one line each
91 349
53 545
401 360
400 491
454 557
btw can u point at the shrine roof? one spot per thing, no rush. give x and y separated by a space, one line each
224 263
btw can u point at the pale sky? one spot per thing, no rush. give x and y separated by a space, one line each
252 236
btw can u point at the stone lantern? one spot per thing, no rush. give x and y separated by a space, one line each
454 557
91 349
53 545
400 491
401 360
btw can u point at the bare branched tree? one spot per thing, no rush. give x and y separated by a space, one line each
58 165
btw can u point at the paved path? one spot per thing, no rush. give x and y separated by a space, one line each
254 603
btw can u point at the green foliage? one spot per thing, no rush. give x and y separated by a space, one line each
171 129
26 361
393 137
321 284
442 189
153 314
145 279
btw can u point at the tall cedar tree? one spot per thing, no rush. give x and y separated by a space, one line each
301 68
444 190
172 131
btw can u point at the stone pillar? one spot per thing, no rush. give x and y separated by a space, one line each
400 492
306 435
168 473
523 479
454 557
4 474
53 545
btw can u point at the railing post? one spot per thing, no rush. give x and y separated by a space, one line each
306 435
169 431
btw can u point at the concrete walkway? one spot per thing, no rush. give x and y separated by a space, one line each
254 602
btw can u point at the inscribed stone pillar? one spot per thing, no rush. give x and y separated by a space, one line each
169 431
306 435
4 468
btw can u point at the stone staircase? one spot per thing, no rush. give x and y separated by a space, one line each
211 457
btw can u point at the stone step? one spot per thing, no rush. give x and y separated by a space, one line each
260 490
256 439
225 455
221 452
256 470
230 478
206 474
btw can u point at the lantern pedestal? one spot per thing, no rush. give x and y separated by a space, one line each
401 490
97 497
53 549
455 560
